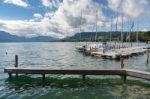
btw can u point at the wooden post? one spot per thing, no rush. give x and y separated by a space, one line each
123 77
16 63
43 77
122 62
83 77
10 75
147 60
16 60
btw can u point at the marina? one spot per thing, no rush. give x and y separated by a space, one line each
74 49
110 53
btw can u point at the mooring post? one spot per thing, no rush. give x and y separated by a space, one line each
43 77
83 77
16 63
123 77
147 59
122 62
16 60
9 75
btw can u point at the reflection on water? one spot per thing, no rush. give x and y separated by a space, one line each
64 55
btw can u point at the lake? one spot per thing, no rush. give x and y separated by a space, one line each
64 55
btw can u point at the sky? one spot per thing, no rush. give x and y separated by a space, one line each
61 18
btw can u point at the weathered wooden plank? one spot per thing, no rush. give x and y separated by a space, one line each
138 74
64 71
83 72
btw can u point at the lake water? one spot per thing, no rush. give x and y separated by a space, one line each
64 55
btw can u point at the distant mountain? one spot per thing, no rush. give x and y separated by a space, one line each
7 37
41 39
90 36
105 36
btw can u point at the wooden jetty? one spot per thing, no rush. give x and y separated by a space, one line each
43 71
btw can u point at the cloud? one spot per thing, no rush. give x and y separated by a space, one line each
28 28
130 8
68 15
20 3
66 19
37 15
145 29
51 3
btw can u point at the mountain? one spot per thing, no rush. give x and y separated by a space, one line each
90 36
105 36
7 37
41 39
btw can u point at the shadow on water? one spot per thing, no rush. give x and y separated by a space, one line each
76 88
27 81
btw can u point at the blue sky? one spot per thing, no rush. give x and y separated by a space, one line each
60 18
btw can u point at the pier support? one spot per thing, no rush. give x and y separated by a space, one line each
123 77
122 62
16 63
43 77
147 59
16 60
83 77
10 75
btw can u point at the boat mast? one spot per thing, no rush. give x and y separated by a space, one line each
131 31
116 25
122 31
111 28
137 34
80 24
96 25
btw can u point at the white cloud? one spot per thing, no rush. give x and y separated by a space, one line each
20 3
145 29
37 15
130 8
51 3
66 19
69 13
27 28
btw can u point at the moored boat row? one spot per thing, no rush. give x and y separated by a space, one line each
108 51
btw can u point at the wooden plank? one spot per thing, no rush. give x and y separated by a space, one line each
83 72
64 71
138 74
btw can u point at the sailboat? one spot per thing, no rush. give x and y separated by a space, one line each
89 48
112 51
80 47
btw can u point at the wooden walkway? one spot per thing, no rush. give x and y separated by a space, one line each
122 72
43 71
138 74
